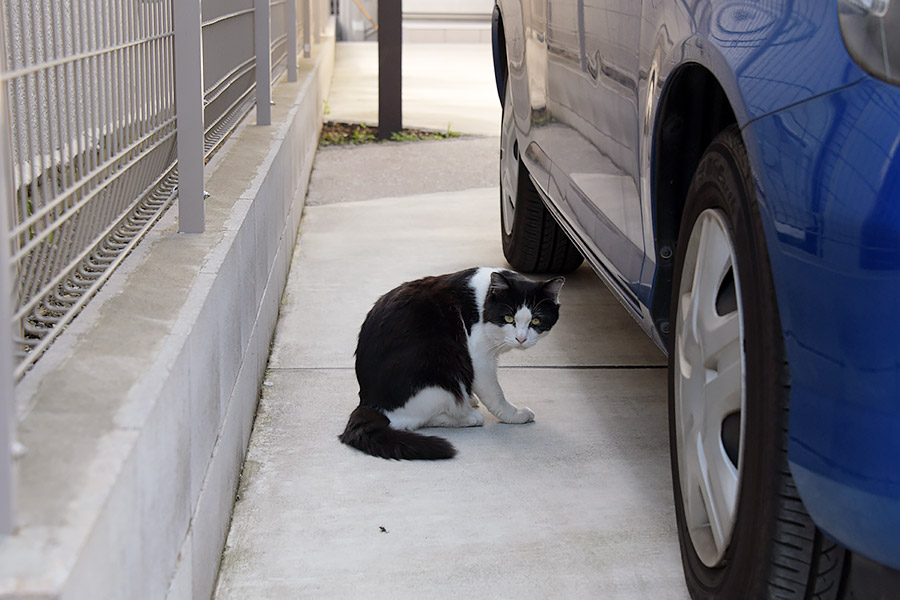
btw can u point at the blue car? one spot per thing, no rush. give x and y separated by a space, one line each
730 169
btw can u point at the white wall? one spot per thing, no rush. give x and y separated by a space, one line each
452 16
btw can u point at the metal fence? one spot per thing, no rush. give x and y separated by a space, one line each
93 135
94 141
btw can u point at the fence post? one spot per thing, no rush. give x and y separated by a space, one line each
307 29
189 114
290 8
390 79
7 400
263 37
316 10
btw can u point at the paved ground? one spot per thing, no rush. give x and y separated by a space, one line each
386 170
575 505
440 88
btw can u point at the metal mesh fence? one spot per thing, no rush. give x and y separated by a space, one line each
92 130
92 136
229 65
278 39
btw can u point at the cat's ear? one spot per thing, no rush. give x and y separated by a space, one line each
552 287
499 284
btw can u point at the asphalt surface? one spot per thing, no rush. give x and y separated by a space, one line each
577 504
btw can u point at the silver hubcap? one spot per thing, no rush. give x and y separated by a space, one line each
509 164
709 365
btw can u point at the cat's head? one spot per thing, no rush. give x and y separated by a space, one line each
523 309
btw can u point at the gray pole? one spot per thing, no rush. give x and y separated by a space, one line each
307 29
263 63
189 113
317 18
390 38
291 27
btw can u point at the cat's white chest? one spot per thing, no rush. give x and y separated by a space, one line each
486 341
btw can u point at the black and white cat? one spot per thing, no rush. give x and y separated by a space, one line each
429 347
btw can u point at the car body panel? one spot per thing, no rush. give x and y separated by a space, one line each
823 141
552 62
829 172
591 108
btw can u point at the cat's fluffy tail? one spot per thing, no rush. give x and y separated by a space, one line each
370 431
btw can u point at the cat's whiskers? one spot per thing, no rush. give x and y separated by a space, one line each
495 348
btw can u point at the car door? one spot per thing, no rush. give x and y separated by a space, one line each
592 132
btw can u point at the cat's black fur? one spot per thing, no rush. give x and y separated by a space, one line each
415 337
370 431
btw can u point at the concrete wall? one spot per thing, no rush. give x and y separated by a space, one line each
137 419
424 21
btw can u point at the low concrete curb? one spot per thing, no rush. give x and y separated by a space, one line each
137 420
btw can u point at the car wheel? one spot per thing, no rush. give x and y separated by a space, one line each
742 528
532 241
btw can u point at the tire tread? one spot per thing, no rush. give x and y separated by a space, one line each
536 244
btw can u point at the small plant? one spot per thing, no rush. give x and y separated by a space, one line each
403 136
330 138
362 135
339 134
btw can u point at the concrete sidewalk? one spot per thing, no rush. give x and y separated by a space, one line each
445 86
577 504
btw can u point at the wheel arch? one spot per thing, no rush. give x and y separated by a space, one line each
498 43
693 109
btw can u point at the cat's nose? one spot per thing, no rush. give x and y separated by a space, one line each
521 339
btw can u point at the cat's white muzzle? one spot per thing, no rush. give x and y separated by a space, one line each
520 334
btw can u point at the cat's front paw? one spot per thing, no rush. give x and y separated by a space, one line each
522 415
475 419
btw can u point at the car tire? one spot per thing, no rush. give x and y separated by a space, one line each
742 528
532 240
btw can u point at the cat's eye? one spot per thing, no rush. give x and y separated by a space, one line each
535 321
509 318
